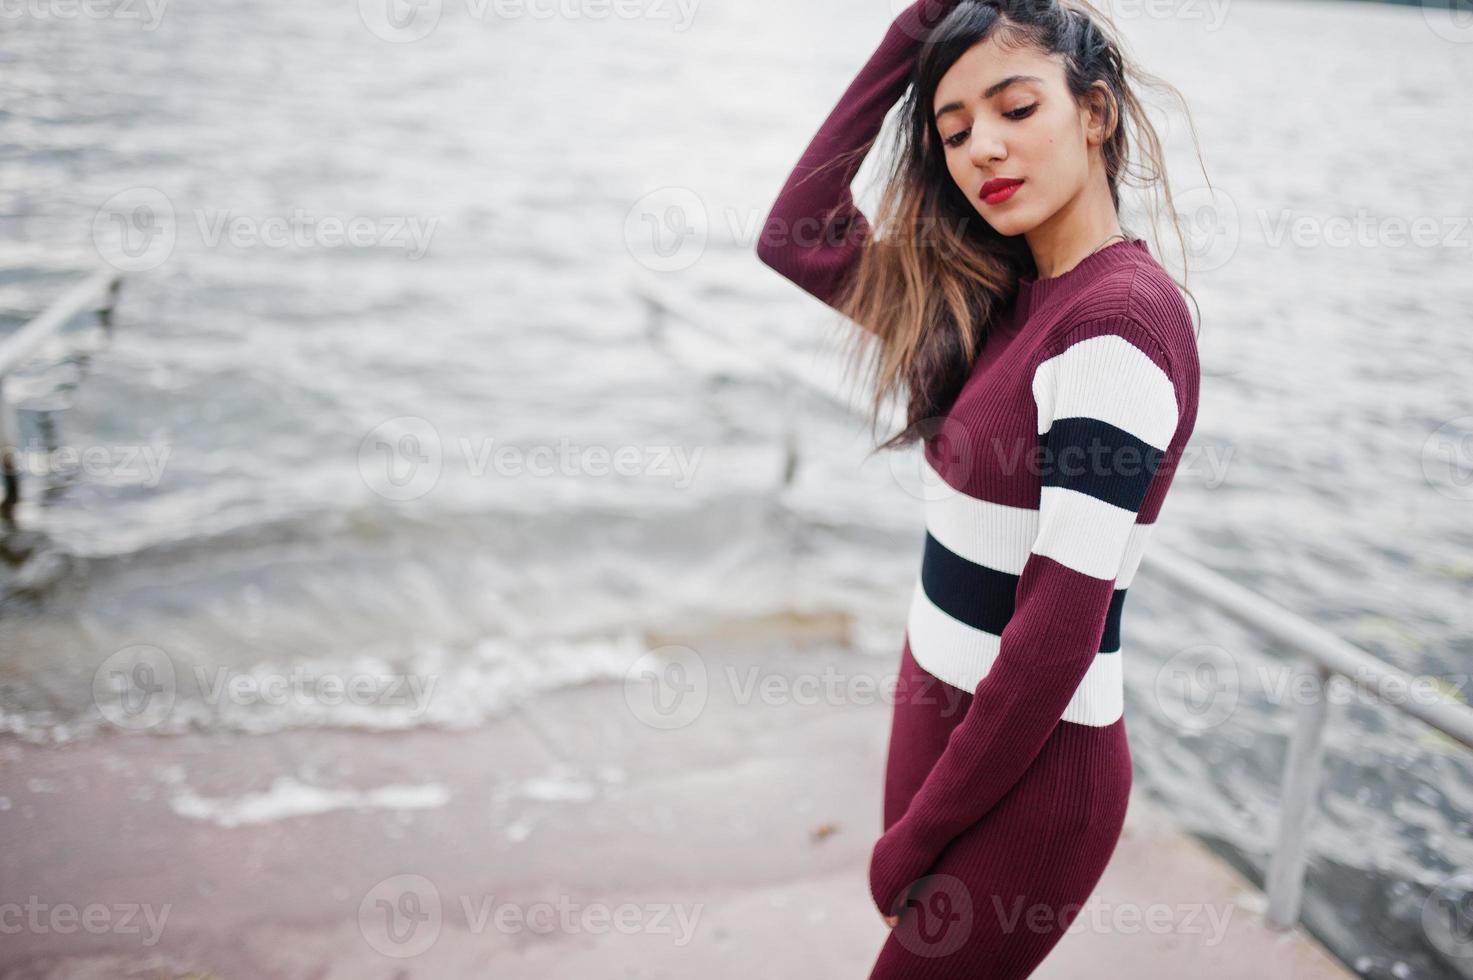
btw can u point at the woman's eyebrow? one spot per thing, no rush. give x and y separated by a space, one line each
989 92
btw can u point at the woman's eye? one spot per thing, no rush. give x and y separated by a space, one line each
1022 112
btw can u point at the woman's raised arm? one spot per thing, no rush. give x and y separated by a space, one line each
814 232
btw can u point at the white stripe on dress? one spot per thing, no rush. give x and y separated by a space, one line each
962 655
1106 377
1001 537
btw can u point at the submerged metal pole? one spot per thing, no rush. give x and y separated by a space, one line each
15 348
1285 880
9 458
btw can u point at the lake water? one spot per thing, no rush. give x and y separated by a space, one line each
381 343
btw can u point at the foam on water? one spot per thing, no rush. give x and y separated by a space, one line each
288 797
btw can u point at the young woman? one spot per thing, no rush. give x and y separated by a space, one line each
1051 369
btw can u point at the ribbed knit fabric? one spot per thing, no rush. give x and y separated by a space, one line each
1009 770
814 232
1044 482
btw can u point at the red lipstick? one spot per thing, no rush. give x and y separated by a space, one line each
999 189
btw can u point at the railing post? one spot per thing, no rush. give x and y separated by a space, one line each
1285 882
9 457
110 302
98 292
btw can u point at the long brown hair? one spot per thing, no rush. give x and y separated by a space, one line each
933 275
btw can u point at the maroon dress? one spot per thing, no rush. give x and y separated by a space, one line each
1009 770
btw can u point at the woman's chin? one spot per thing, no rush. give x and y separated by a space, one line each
1007 222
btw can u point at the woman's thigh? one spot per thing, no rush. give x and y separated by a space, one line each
1005 892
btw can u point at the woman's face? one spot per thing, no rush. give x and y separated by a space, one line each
1005 114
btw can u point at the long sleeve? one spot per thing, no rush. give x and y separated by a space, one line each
814 232
1108 402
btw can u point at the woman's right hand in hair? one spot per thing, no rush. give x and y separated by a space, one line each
928 12
920 18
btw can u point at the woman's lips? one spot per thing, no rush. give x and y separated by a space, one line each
999 189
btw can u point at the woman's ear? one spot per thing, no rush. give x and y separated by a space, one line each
1100 103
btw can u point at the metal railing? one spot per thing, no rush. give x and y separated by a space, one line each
97 293
1322 656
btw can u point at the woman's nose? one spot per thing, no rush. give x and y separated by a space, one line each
986 149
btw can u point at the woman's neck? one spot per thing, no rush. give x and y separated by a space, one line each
1065 239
